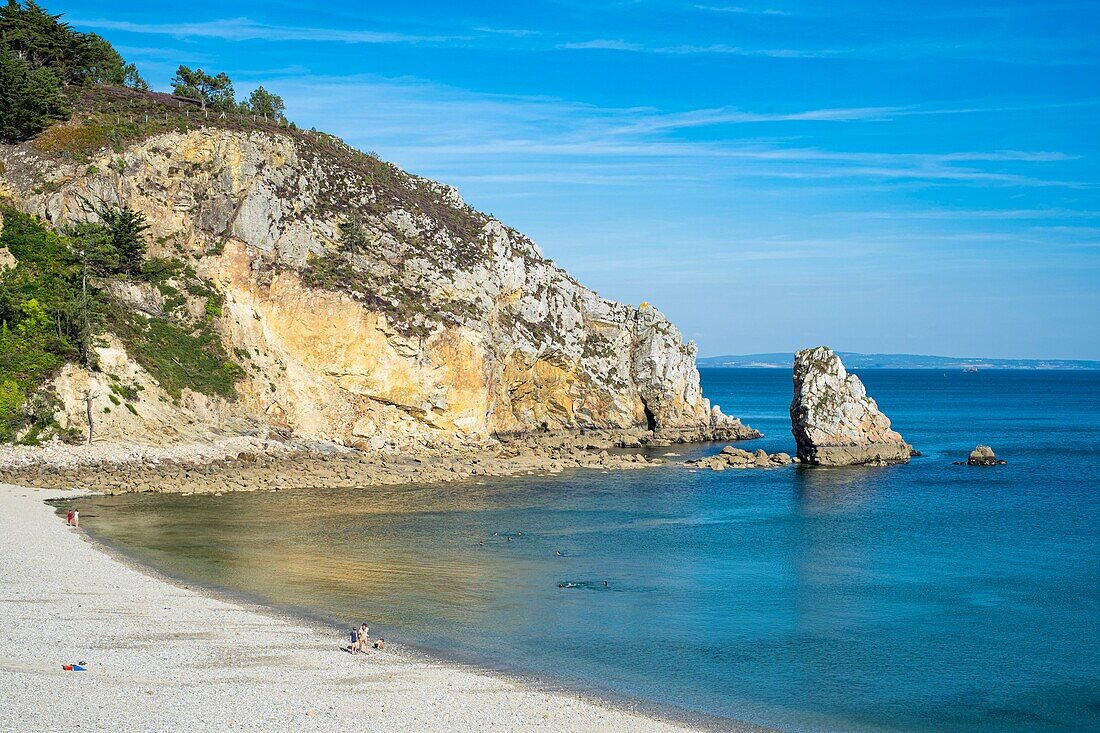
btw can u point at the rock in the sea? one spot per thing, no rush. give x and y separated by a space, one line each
833 420
983 456
731 457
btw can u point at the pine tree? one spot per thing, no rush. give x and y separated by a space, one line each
126 233
29 99
215 92
263 102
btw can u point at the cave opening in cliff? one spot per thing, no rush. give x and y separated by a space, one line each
650 418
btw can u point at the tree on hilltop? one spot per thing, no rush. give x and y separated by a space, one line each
40 39
43 41
30 100
215 92
39 56
263 102
104 65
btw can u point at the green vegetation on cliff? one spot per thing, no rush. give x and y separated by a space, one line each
40 322
57 297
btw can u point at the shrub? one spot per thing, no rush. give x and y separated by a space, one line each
178 357
74 141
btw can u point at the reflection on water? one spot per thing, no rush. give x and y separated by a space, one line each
831 490
923 597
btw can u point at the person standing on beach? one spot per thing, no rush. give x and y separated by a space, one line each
69 518
76 518
364 639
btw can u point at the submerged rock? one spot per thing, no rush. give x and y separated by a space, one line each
983 456
833 420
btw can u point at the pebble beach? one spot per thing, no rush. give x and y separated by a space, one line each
161 656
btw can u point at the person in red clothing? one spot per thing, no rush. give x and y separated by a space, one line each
69 518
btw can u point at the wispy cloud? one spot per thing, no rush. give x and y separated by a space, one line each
739 10
244 29
603 44
712 49
513 32
977 214
976 46
515 138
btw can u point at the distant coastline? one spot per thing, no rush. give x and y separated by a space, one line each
854 360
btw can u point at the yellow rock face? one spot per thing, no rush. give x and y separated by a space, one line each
534 392
338 369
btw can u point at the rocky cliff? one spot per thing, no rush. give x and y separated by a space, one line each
834 421
363 305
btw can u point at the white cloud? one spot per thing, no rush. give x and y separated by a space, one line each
244 29
603 44
722 49
498 138
738 10
470 138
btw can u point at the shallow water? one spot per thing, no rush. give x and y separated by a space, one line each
910 598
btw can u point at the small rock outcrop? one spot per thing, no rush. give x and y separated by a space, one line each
833 420
731 457
983 456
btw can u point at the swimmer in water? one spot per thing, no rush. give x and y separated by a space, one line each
605 584
557 552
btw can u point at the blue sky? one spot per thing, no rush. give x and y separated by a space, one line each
902 177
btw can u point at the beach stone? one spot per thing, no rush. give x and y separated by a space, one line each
834 421
983 456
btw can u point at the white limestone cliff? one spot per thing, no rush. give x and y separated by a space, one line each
442 325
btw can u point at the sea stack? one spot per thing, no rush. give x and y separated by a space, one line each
833 420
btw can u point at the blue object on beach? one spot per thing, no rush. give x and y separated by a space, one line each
78 668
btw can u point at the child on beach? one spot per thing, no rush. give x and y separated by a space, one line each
354 641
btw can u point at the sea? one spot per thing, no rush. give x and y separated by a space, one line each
923 597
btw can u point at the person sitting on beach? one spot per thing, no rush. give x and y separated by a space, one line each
364 639
380 644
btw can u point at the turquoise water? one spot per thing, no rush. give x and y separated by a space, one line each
910 598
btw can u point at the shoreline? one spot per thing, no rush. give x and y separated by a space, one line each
693 721
247 464
163 647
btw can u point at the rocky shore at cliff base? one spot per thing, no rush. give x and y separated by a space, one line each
247 464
